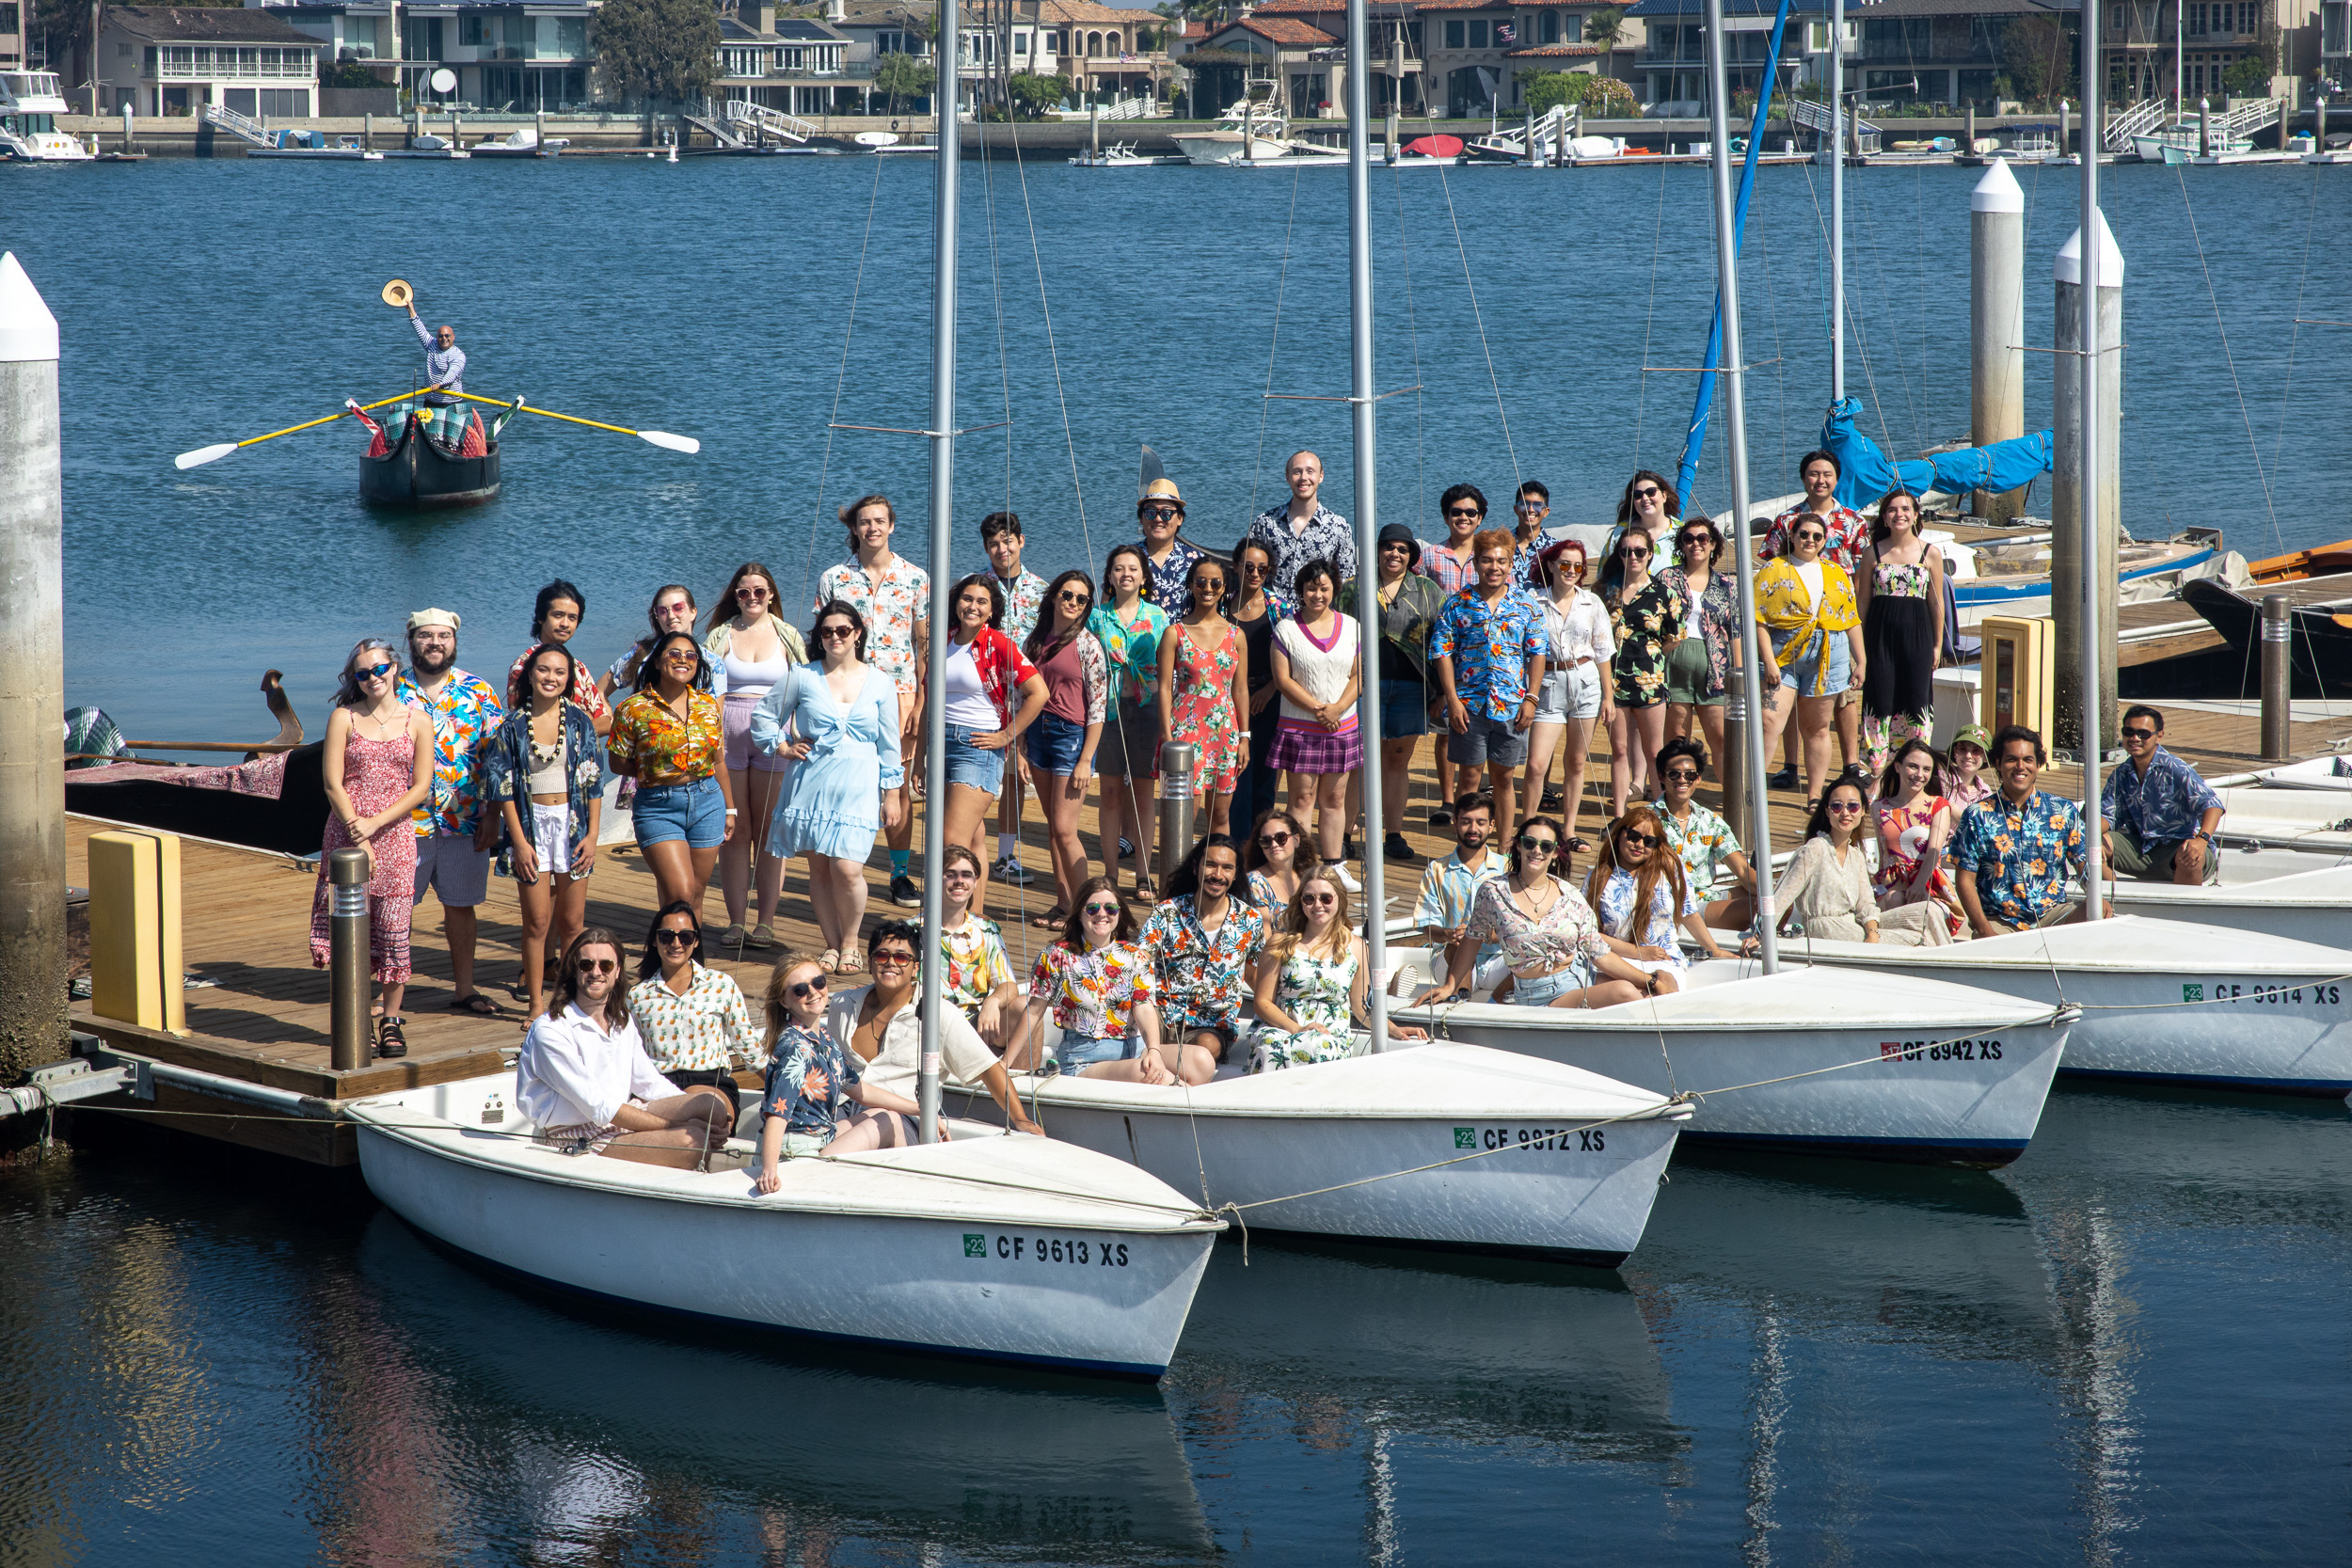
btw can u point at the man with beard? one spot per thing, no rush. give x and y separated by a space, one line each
1449 887
1204 950
454 835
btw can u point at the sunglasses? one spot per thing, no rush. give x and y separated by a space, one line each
680 656
1683 775
1259 567
1647 492
1811 536
1644 841
1540 846
597 966
1843 808
748 592
1532 506
1635 552
678 938
835 634
1108 910
1160 514
1318 899
1696 542
2135 732
1274 841
806 989
896 958
373 671
1463 512
1397 546
1071 595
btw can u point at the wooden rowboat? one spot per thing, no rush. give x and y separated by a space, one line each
421 472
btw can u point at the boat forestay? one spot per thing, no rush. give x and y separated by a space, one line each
990 1246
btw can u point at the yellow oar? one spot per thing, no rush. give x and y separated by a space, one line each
659 437
202 455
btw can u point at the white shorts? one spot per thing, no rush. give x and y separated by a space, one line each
551 837
449 864
1570 692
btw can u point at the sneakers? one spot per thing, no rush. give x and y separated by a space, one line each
1009 869
1394 848
903 893
1346 880
1785 779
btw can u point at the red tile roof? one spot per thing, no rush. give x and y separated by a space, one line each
1287 32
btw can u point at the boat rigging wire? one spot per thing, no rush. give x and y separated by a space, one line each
996 290
1641 380
1412 333
1274 341
2294 339
1478 317
841 379
2253 443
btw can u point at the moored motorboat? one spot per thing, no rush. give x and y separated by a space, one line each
1377 1147
419 470
1838 1062
990 1246
2160 999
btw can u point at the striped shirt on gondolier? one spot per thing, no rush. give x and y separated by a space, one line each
444 368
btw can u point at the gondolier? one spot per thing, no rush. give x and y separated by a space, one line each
444 372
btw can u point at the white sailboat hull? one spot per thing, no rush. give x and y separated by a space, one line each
1555 1174
984 1248
1950 1074
2314 906
2162 1000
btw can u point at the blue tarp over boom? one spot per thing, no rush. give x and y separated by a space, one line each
1868 473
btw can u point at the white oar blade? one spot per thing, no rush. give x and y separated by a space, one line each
202 455
675 443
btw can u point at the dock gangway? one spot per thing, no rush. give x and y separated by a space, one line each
2138 120
243 126
765 121
1812 115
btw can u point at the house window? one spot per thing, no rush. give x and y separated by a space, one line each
1453 35
2335 36
1478 33
1551 26
571 38
1021 45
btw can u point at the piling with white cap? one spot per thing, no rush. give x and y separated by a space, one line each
32 698
2072 544
1997 320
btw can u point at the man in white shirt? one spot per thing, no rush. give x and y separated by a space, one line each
584 1078
882 1023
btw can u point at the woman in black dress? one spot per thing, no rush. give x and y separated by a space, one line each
1646 620
1899 581
1257 605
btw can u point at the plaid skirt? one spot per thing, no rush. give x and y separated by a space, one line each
1308 748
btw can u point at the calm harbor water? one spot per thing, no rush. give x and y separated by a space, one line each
2128 1348
205 301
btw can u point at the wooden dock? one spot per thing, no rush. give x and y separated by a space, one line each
261 1013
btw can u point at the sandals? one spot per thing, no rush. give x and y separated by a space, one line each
763 935
1052 920
475 1003
1146 891
830 960
732 937
852 961
391 1039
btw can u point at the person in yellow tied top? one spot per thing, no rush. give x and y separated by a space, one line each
670 737
1806 602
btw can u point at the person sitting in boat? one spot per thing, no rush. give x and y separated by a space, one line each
1826 890
1205 946
444 405
2011 853
816 1102
2156 817
883 1025
1097 982
1555 950
1312 982
1449 892
583 1076
1642 892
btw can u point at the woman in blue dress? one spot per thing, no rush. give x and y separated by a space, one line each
837 718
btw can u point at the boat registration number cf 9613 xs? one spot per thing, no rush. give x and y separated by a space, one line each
1046 1249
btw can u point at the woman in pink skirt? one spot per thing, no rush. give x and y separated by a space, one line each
378 762
1316 668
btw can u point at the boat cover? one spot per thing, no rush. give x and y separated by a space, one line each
1721 995
2122 943
1867 473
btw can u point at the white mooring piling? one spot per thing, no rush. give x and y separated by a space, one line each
2070 487
1997 320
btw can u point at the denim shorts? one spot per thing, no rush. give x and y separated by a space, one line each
1803 671
1540 992
977 766
1077 1055
1404 710
1053 744
696 812
1571 692
1489 742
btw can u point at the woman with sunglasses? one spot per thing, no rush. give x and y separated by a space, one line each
1644 620
816 1102
540 771
1640 894
1129 628
882 1023
378 763
1310 982
1901 586
838 720
1826 888
977 973
1579 683
1555 953
993 693
673 610
1806 602
1060 745
1204 685
1408 607
1699 665
1258 608
585 1083
695 1024
749 648
1096 983
1701 838
1278 854
1649 503
670 737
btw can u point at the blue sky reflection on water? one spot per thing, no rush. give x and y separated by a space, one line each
210 300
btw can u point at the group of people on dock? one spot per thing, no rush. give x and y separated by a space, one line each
739 749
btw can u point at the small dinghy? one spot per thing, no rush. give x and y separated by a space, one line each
990 1246
421 472
1566 1163
2278 893
2160 999
1950 1074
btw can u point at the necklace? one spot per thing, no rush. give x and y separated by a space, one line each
1536 910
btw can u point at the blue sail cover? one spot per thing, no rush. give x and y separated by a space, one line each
1867 474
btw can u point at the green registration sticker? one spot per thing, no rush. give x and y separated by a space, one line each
975 1246
1465 1137
2192 993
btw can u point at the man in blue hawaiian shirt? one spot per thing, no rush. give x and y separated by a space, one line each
2013 850
2156 815
1487 649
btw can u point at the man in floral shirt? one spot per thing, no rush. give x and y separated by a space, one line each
1303 528
2012 852
1167 559
1487 649
1203 946
2157 815
454 835
1024 593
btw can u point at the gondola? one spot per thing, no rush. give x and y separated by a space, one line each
421 472
2319 636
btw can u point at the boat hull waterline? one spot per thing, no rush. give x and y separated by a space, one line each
1106 1296
1945 1076
417 473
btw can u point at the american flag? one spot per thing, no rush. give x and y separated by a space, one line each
1504 34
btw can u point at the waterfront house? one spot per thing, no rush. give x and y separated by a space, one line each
518 54
797 64
12 33
174 59
1098 49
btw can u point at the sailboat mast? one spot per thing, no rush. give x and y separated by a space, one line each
1733 372
2094 231
950 137
1363 408
1838 202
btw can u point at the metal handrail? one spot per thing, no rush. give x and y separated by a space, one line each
243 125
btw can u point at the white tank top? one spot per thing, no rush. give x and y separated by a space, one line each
968 706
746 678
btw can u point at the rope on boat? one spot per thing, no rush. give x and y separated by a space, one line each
2229 361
